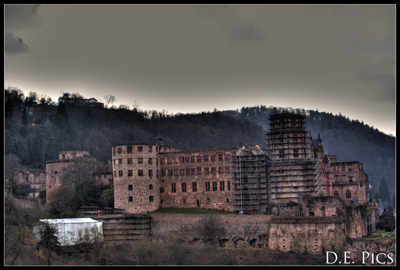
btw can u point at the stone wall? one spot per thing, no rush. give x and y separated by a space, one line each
310 235
240 230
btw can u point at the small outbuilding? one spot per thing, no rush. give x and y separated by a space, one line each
73 230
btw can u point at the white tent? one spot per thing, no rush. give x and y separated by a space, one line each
72 230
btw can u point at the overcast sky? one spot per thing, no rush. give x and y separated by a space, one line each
194 58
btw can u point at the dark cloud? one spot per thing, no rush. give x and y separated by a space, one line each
231 25
14 44
17 19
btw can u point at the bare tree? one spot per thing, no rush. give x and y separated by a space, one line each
109 99
211 229
135 105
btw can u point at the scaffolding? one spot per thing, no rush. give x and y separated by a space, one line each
292 169
249 179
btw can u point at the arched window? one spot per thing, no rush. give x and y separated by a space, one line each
348 194
336 193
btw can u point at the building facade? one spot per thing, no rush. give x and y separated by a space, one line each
242 179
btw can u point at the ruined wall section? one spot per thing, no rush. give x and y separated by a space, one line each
136 186
310 235
54 172
349 181
196 179
240 230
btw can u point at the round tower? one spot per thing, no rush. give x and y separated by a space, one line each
136 185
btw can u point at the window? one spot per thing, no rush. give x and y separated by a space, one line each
129 149
214 184
221 186
129 172
130 187
343 169
206 170
169 172
187 159
162 160
162 190
187 171
281 153
192 159
220 169
119 173
198 170
150 173
183 187
129 161
119 150
115 173
150 160
176 172
205 158
140 160
150 148
182 171
150 187
350 178
208 200
198 159
184 201
212 158
63 156
295 153
140 149
220 157
173 187
140 172
162 172
227 200
55 172
213 170
120 161
182 159
311 214
151 198
130 199
227 169
207 186
229 185
194 186
348 194
227 157
192 171
170 160
336 193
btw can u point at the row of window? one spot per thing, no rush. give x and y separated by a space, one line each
194 159
176 172
184 187
130 198
140 160
130 173
195 171
129 149
348 194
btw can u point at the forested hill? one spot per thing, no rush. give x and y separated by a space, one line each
349 140
36 130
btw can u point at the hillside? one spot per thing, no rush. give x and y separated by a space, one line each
36 132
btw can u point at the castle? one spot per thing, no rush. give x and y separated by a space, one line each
290 177
244 179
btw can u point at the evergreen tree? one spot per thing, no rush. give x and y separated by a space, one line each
61 117
384 191
24 117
